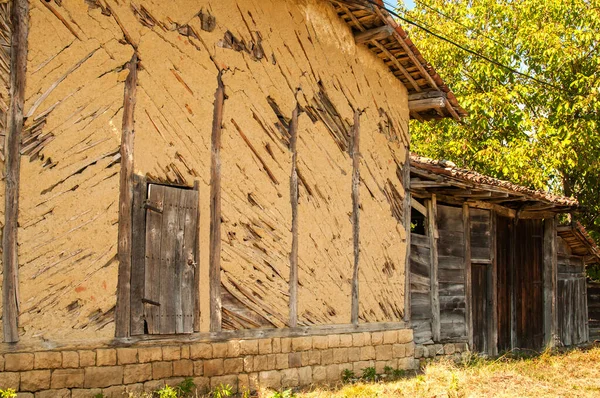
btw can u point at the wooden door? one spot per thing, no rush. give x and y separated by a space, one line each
480 303
572 301
480 227
529 286
171 230
504 231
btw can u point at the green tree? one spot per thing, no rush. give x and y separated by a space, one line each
544 134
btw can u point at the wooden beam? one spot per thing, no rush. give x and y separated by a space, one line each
426 95
123 309
419 207
435 294
293 284
355 154
493 288
379 33
468 278
138 255
426 104
197 266
550 282
10 260
407 218
214 270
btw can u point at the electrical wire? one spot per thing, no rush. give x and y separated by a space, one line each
466 49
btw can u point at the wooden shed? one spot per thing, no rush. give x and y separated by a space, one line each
489 265
212 189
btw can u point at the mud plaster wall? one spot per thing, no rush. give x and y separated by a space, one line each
274 52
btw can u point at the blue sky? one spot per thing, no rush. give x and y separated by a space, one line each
409 3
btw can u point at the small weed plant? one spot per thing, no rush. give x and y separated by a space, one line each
284 394
8 393
222 391
167 392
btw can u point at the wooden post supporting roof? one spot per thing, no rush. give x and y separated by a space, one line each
550 281
294 202
10 260
123 309
435 290
355 153
214 270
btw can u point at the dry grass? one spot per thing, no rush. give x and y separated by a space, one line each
571 374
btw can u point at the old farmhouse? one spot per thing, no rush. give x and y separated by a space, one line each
219 189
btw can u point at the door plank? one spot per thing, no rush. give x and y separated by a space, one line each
189 209
153 251
168 254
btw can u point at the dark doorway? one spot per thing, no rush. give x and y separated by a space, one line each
529 287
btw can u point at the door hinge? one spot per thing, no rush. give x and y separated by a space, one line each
149 206
151 302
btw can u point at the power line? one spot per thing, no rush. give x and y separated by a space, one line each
466 49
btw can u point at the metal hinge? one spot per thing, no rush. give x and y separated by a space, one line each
149 206
151 302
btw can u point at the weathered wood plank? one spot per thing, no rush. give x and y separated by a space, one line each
138 262
170 235
152 270
493 288
214 271
355 152
123 310
197 262
379 33
188 221
550 281
468 274
433 237
293 131
10 261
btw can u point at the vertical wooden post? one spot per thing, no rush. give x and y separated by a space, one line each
468 278
355 153
294 201
197 265
123 309
435 284
550 281
138 261
493 288
214 270
407 206
18 70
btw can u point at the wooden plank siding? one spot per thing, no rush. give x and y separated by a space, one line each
572 301
420 288
593 308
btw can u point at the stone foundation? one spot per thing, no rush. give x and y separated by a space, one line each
424 351
243 364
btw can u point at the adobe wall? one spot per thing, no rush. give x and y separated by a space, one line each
243 364
274 54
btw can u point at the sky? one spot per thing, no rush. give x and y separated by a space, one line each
408 3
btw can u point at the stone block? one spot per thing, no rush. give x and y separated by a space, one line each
358 340
154 385
114 392
367 353
105 376
405 336
137 373
162 370
407 363
305 376
10 380
126 356
449 349
295 359
265 346
333 340
149 354
233 366
48 360
282 361
202 384
220 350
271 361
185 352
286 345
248 347
383 352
229 380
345 340
419 352
390 337
64 393
171 353
376 338
320 342
25 395
201 351
87 358
261 362
340 355
68 378
248 364
270 379
366 338
319 374
313 357
333 373
326 358
1 363
183 367
85 393
290 378
233 349
70 359
213 367
301 343
354 354
106 357
34 380
18 362
359 366
276 345
410 349
198 368
243 382
399 351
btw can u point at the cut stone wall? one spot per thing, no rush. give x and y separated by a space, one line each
426 351
243 364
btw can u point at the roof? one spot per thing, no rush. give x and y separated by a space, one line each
429 97
445 178
580 242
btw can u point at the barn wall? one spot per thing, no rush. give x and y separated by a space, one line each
275 54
